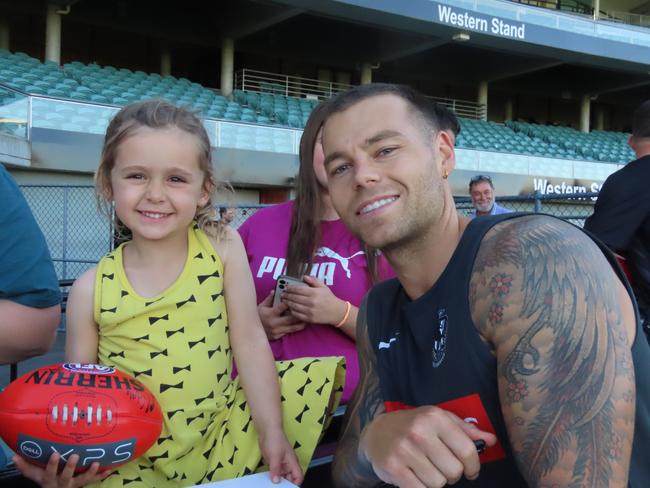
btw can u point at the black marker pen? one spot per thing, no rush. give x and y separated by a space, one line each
480 446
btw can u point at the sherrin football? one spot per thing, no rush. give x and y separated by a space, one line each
95 411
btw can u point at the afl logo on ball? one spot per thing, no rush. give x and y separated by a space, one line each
440 338
31 449
88 368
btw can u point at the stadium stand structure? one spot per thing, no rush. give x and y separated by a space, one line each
94 84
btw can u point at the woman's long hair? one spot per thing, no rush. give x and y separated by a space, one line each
304 236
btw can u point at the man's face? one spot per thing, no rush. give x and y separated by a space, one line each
228 215
482 196
385 170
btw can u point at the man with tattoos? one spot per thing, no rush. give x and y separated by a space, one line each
621 217
511 335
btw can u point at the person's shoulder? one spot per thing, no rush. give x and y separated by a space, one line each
531 236
384 289
501 209
5 177
280 209
226 234
87 276
526 224
534 260
225 243
632 172
10 195
270 215
85 282
637 170
4 174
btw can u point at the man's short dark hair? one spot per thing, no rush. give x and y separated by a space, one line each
424 108
447 119
222 211
641 120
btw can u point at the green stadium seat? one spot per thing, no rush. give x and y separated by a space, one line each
294 121
55 92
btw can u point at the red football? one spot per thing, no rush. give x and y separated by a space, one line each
95 411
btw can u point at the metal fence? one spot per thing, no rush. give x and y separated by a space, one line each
78 235
572 207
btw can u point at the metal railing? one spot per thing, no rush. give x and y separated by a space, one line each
295 86
463 108
582 8
562 5
626 18
286 85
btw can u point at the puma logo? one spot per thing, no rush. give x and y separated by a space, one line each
326 252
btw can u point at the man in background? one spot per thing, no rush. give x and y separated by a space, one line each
621 217
481 191
226 215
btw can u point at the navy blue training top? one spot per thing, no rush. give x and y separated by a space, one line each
430 353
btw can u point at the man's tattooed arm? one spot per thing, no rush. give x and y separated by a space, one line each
350 468
561 324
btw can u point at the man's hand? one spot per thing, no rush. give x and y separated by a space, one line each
276 321
423 447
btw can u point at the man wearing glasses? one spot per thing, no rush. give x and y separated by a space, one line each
481 191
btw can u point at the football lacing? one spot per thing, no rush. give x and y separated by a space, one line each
74 413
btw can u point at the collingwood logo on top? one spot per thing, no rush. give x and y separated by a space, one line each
440 338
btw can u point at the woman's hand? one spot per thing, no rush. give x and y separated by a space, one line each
315 303
281 458
276 321
48 477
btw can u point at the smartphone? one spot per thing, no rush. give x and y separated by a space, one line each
282 283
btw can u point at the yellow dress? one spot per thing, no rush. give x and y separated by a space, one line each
177 345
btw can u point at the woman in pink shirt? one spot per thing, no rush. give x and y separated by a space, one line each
305 237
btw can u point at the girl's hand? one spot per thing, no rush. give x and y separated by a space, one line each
281 458
48 477
276 322
315 303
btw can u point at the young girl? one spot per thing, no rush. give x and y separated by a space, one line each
166 307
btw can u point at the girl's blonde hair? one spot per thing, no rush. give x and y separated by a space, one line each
155 114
